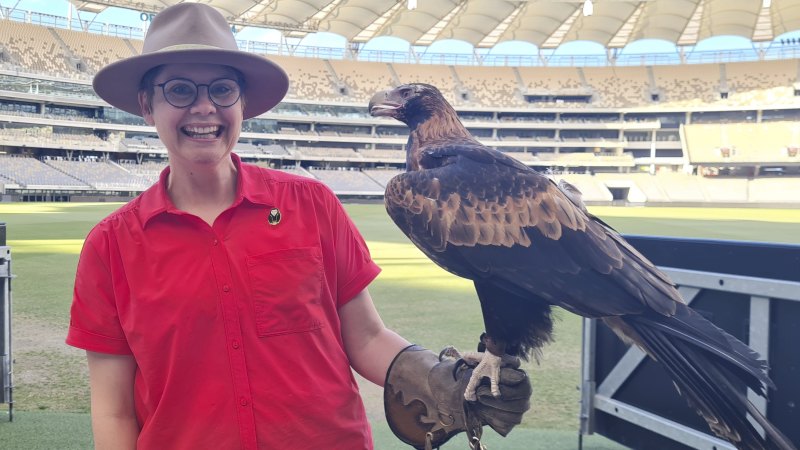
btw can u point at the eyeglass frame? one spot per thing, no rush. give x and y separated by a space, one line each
197 91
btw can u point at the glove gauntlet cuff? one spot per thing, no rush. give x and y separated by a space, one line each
424 399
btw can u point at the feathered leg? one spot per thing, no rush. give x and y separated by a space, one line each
516 325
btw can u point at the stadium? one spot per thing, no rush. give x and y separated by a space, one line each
688 128
681 128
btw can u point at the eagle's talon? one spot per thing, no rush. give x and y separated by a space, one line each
449 353
488 366
472 358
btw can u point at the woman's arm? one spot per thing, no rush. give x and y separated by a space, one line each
111 380
370 346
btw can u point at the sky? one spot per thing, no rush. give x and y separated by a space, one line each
131 18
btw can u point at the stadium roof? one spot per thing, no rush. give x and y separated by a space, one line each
484 23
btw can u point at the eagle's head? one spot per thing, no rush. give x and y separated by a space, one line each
409 103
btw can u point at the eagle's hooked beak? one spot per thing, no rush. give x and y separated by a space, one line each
381 105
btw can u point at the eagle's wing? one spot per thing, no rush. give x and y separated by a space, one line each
485 216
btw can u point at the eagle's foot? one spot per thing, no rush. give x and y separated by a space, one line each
486 365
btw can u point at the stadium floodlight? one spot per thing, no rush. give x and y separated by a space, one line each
588 8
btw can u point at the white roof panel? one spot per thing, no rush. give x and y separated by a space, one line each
547 23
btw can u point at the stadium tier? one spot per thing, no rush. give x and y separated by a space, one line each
687 133
766 143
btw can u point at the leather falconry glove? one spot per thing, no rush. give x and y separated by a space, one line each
424 401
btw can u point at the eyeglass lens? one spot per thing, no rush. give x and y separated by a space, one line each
180 92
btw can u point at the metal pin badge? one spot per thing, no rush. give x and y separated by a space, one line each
274 216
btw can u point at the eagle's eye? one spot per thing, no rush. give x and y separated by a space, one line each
405 93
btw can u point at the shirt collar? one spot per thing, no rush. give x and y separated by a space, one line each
251 185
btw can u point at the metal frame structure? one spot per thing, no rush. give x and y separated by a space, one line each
485 23
6 361
598 394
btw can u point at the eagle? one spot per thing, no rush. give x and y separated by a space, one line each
529 244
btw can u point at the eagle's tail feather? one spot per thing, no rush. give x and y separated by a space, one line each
704 363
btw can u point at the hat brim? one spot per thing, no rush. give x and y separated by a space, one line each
265 82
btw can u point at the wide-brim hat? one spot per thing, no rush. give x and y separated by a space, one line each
192 33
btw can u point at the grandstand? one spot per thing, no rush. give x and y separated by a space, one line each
349 182
637 131
743 144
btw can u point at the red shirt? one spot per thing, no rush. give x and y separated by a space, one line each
234 327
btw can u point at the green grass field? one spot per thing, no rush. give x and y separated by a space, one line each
416 298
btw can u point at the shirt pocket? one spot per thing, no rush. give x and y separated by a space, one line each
286 291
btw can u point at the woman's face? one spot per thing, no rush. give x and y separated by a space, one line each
201 133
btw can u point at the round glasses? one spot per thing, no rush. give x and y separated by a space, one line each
181 93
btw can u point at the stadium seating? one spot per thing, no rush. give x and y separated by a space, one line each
146 170
725 190
310 78
619 86
381 176
747 81
605 124
553 79
101 175
297 170
776 190
35 48
592 190
682 188
273 149
688 85
74 54
439 76
742 143
98 51
362 80
383 155
586 159
348 181
491 85
33 174
524 156
327 152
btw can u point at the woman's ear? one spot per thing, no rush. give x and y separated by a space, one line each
144 106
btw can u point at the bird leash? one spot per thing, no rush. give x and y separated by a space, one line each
473 428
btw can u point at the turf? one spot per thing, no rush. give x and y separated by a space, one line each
420 301
66 431
46 431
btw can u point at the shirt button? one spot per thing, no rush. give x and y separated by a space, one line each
243 401
226 288
216 242
235 344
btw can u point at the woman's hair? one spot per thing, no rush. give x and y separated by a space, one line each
147 85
